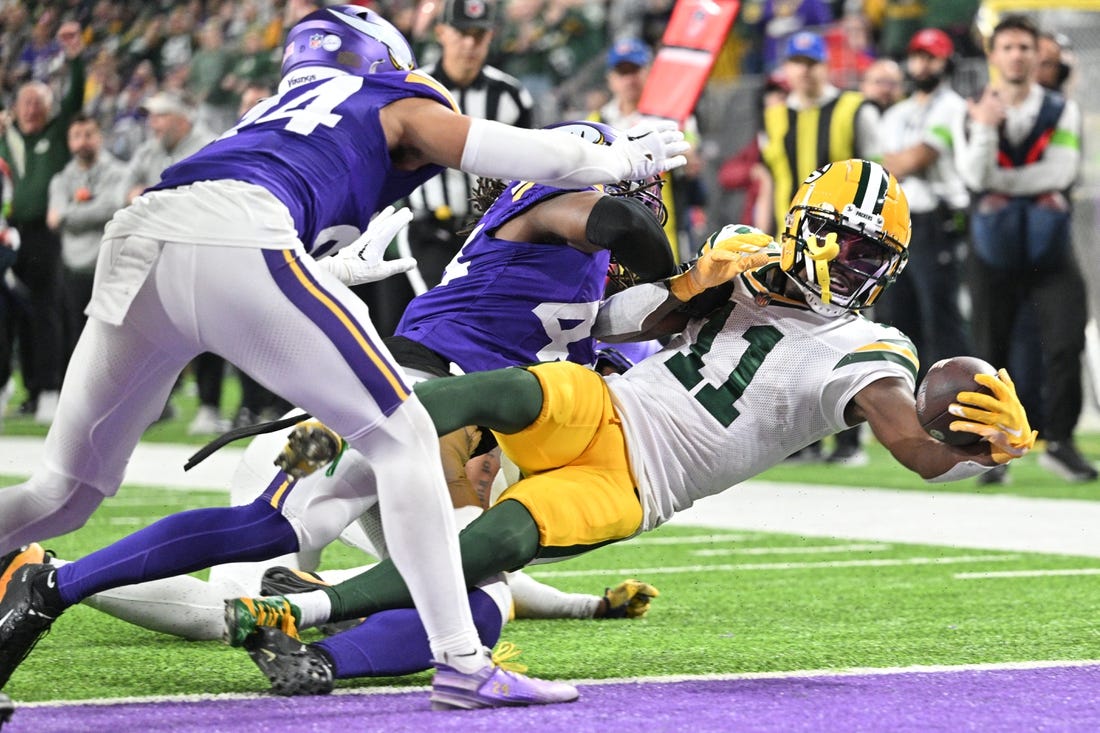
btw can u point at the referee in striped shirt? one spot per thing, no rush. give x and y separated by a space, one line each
441 206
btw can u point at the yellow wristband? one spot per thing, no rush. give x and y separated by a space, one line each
684 286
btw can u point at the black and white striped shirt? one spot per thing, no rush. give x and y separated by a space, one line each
493 95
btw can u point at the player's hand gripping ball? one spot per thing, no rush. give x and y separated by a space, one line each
940 387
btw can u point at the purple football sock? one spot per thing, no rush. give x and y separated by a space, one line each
181 543
394 642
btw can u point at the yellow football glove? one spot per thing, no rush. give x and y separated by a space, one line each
629 599
724 260
309 447
999 419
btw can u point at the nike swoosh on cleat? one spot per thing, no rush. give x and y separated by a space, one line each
6 617
51 581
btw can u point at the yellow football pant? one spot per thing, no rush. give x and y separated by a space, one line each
577 483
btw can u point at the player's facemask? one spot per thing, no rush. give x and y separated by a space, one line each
847 236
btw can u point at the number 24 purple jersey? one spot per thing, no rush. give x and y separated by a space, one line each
320 149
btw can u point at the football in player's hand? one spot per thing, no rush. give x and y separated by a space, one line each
945 379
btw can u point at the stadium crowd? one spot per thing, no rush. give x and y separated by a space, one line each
101 95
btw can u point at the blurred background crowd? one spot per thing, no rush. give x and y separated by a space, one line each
99 96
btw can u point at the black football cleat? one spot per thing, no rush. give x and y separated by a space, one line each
292 667
24 618
17 558
281 581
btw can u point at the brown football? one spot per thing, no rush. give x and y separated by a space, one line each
945 379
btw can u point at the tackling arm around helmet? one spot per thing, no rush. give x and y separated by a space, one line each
557 158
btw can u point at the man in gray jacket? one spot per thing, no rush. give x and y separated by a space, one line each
83 197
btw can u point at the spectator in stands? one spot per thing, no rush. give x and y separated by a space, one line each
899 21
176 136
917 145
209 66
883 84
819 124
83 197
768 24
9 249
35 148
956 19
126 127
628 64
1056 61
746 171
1018 150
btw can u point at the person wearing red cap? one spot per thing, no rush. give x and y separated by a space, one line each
918 149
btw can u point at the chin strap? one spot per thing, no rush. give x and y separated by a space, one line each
822 254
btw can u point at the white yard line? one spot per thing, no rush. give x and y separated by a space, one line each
999 522
654 679
792 550
725 568
153 464
1026 574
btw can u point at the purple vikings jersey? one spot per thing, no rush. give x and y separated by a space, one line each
504 303
320 149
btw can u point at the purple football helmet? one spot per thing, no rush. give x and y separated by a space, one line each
347 37
647 191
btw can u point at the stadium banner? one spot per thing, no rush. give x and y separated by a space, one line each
695 34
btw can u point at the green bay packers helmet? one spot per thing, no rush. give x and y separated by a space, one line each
846 236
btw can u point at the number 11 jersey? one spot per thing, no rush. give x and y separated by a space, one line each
742 389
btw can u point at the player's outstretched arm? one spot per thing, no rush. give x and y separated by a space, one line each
889 407
554 157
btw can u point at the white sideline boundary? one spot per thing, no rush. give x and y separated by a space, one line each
655 679
974 521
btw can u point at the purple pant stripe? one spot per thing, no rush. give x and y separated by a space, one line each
371 366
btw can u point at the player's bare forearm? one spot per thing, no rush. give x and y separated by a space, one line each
890 409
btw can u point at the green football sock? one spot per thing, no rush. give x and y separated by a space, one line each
503 538
504 400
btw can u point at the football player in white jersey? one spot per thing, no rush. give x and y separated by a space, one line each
772 354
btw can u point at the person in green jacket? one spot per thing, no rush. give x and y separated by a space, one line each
35 147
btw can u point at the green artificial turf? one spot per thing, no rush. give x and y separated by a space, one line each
1027 478
747 618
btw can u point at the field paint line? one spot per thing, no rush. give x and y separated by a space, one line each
649 679
975 521
896 562
1026 573
695 539
152 464
788 550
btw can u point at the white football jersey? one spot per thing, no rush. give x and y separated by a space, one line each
739 391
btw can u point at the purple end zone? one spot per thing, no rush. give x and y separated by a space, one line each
1047 699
